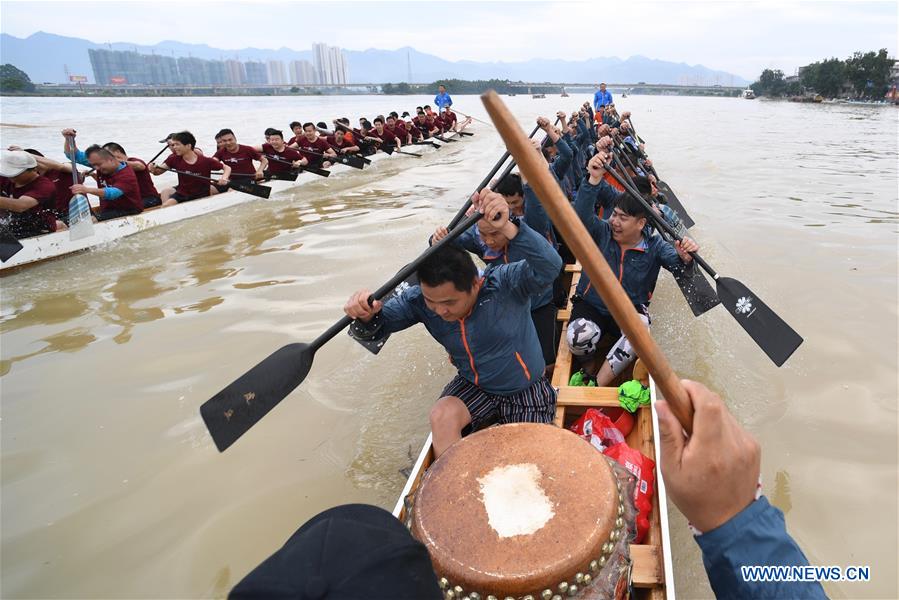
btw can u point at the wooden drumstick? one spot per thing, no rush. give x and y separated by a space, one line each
533 167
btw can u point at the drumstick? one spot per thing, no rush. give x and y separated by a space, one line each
534 169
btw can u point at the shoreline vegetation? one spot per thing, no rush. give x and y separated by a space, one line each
862 76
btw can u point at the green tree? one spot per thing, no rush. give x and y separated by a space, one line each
770 83
869 73
14 80
826 77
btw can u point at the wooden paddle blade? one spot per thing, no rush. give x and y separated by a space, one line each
697 291
234 410
777 339
248 187
675 203
285 176
9 246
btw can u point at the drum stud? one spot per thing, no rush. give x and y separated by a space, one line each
491 597
528 597
443 583
474 596
587 579
594 566
546 594
614 536
459 591
563 587
572 591
602 561
509 598
620 499
619 522
620 509
607 548
557 597
579 578
449 595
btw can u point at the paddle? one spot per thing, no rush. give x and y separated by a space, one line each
772 334
695 287
282 176
234 410
472 118
313 170
9 245
443 139
81 223
247 187
341 127
345 159
398 151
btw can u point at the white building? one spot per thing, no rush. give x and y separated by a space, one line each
237 73
277 74
302 72
330 64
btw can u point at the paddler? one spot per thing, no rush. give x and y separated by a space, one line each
148 192
313 147
184 158
281 157
118 189
29 197
239 156
383 136
634 257
483 323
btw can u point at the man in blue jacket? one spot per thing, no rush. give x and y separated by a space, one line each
601 97
634 257
483 323
442 99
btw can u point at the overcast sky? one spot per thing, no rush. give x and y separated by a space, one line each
739 37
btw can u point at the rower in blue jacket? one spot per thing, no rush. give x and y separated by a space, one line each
482 322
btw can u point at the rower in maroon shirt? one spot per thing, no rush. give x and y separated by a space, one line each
148 192
426 127
383 136
239 157
118 190
30 197
185 158
398 128
343 142
314 148
282 158
297 128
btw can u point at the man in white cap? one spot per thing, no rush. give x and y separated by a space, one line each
28 196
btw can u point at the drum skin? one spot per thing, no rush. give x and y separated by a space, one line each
516 509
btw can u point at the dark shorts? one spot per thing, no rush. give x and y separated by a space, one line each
536 404
115 213
151 201
547 332
179 197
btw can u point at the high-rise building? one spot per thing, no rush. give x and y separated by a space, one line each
237 74
302 72
277 74
120 67
330 64
197 71
257 73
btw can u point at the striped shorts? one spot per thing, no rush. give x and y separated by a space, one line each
536 404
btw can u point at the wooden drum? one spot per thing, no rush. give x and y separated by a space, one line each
519 510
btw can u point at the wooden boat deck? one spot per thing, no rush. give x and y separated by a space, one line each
651 573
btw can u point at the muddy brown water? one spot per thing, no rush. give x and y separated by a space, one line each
111 486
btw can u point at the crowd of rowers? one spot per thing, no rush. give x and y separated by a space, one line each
504 367
498 327
36 190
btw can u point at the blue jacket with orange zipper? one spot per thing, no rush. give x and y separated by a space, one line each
636 268
495 347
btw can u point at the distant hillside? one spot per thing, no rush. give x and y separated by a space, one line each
44 56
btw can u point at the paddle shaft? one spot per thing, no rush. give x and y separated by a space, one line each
486 181
75 181
566 221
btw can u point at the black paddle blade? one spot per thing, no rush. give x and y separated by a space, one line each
9 246
372 346
387 148
674 203
777 339
285 176
316 171
466 133
248 187
230 413
697 291
350 161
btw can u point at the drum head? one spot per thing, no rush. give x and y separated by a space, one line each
518 509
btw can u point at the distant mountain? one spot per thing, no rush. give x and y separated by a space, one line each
45 56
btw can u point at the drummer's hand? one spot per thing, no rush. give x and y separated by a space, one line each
68 131
439 234
712 475
357 306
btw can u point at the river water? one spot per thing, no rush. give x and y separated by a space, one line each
111 486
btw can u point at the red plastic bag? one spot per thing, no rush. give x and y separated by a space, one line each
598 429
643 469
